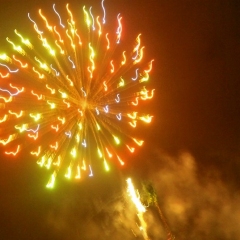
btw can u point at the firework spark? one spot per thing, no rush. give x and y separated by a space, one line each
141 209
72 96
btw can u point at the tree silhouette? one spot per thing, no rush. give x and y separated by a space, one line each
149 197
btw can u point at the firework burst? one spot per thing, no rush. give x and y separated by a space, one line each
71 95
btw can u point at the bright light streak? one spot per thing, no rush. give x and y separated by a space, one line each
134 195
119 30
14 153
73 65
11 71
36 153
91 172
56 72
6 141
119 116
50 28
32 130
117 99
104 13
93 26
22 64
60 20
4 76
136 77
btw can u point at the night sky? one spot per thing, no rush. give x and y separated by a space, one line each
191 152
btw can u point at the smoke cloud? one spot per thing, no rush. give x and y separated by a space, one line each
195 206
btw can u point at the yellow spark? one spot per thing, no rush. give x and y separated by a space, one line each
69 172
22 64
80 125
81 112
24 41
5 58
116 139
64 95
149 67
36 153
108 42
39 97
86 17
42 65
79 39
144 94
124 58
59 36
50 28
37 30
57 163
133 123
55 147
120 160
138 142
84 165
14 153
4 76
78 175
112 69
136 102
71 40
51 104
106 165
6 100
70 13
131 149
138 40
119 31
41 76
21 128
135 196
33 135
78 138
70 81
105 86
46 45
36 116
121 83
99 25
109 154
51 181
67 103
100 153
62 120
8 140
98 127
91 57
56 128
132 115
42 161
17 48
49 163
60 48
140 56
144 78
146 119
4 118
17 115
74 152
19 90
